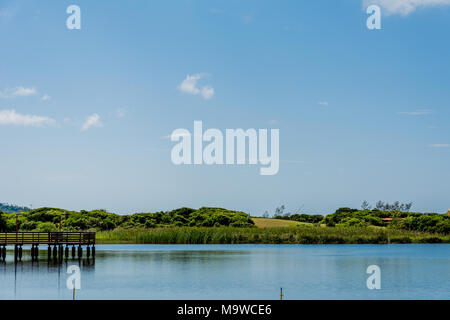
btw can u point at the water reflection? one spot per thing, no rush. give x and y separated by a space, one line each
37 273
235 272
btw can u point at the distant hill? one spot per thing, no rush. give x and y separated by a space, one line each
11 208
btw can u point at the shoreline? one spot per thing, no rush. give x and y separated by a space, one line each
264 244
280 235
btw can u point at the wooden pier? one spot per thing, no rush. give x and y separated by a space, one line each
60 241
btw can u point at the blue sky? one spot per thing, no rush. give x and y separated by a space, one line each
363 115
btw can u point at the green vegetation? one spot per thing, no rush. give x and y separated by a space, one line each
285 235
49 219
392 216
10 208
413 221
306 218
384 224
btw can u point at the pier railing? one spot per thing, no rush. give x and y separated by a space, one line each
49 238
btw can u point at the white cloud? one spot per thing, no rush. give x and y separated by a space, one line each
18 92
323 103
11 117
23 92
440 145
417 112
207 92
46 97
404 7
190 86
92 121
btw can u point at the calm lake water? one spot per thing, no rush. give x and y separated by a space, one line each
237 272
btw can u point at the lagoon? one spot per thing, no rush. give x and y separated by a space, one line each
410 271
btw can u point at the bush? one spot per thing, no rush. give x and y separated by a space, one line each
11 225
2 222
46 227
353 222
101 220
29 226
308 218
426 223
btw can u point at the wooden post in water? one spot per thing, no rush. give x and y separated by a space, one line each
54 240
73 292
281 294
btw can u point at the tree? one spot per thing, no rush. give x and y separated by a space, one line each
408 206
366 206
380 205
280 210
2 222
47 227
266 214
396 206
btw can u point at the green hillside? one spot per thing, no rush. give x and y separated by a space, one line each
49 219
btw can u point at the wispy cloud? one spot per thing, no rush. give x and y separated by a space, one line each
190 86
121 112
11 117
417 112
440 145
92 121
323 103
24 92
46 97
207 92
215 10
18 92
5 13
248 19
404 7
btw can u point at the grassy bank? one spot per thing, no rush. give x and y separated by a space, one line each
286 235
275 223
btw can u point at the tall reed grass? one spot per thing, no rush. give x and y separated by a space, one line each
285 235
